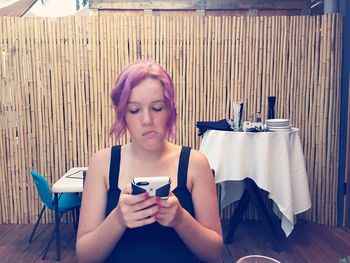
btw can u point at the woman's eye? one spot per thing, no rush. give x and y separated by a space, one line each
134 111
157 109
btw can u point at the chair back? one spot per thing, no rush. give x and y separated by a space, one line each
43 189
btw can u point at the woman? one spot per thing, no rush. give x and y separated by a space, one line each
116 226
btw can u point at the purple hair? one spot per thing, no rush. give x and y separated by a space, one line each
131 77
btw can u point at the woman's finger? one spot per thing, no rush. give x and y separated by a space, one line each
134 199
143 204
145 213
143 222
171 201
127 189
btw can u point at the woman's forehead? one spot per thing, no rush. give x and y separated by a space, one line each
150 89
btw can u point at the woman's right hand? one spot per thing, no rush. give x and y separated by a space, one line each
136 210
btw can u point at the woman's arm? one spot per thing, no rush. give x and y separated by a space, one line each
202 234
97 234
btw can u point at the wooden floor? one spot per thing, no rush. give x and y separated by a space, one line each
308 242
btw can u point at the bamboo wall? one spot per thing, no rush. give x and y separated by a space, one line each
56 75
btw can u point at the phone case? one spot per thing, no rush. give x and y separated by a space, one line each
155 186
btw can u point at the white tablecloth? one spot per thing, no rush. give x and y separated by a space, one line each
274 160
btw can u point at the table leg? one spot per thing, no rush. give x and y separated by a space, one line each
57 229
251 193
258 203
237 215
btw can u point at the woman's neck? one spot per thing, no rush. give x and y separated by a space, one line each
145 154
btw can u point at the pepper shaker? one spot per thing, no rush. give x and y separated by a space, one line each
271 107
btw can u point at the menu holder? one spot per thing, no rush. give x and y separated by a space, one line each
76 175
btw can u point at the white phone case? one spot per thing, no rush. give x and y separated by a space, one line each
154 186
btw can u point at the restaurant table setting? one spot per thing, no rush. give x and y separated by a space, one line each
274 160
270 154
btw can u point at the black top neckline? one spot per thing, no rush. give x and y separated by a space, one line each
181 171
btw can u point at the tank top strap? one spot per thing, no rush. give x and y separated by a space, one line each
183 166
114 167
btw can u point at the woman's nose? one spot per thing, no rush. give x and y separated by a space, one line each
146 118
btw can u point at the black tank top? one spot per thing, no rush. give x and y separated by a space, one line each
151 243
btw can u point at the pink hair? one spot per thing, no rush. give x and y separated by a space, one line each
131 77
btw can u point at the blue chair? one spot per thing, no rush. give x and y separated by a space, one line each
66 202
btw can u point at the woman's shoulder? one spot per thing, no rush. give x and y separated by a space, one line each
199 168
102 156
198 159
103 153
198 162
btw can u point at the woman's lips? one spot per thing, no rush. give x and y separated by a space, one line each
149 133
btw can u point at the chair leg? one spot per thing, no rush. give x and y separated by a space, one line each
50 241
74 218
78 213
36 224
49 244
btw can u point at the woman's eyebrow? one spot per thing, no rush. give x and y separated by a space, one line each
155 101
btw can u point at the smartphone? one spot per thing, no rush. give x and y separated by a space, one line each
154 186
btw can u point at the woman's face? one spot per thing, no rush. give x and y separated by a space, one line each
147 114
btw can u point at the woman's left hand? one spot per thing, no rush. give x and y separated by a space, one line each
171 212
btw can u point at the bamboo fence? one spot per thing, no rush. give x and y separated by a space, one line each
56 75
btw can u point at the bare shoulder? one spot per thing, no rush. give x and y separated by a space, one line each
99 164
198 160
198 167
101 155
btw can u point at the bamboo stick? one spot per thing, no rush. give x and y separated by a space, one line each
207 66
216 69
107 79
265 64
78 41
195 80
257 51
282 98
226 52
60 145
190 87
12 127
335 135
230 65
218 86
30 125
325 152
245 60
238 63
315 122
309 97
276 62
318 161
26 138
181 27
252 74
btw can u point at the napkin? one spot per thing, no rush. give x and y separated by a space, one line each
221 125
256 129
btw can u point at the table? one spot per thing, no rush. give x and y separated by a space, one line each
70 182
273 161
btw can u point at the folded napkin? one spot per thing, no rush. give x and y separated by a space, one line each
256 129
221 125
